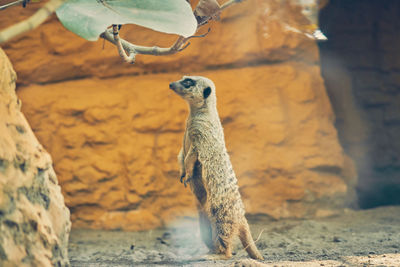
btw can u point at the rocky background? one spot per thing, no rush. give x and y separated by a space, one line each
34 222
361 67
114 130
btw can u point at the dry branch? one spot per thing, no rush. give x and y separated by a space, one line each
12 4
144 50
229 3
179 45
32 22
121 50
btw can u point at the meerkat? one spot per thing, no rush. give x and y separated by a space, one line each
206 167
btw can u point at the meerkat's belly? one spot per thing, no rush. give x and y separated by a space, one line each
196 182
197 185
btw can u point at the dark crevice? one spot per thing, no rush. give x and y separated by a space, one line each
129 207
327 169
359 64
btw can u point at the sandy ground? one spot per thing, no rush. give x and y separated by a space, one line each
355 238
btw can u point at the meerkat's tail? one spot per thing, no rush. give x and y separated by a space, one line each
248 242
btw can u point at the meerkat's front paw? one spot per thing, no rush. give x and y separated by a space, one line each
186 179
183 174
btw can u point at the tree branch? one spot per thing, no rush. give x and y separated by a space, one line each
32 22
11 4
178 46
121 50
144 50
229 3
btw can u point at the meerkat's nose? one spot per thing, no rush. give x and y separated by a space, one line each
172 85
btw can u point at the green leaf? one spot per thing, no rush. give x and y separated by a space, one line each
89 18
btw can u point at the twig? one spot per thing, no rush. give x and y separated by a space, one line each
11 4
179 45
190 37
199 36
104 3
145 50
255 241
32 22
229 3
183 47
121 50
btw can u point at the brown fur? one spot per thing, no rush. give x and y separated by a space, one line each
206 166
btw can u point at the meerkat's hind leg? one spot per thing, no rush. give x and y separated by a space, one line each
228 247
223 239
222 250
216 253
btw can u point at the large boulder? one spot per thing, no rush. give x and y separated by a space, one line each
34 221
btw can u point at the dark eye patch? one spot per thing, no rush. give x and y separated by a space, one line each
188 83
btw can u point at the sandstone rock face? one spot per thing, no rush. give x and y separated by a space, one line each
34 221
115 144
114 141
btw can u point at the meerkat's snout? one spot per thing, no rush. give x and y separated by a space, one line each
181 87
177 88
172 85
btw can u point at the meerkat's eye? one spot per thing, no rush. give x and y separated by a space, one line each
188 83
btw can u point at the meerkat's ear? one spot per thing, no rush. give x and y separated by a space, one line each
206 92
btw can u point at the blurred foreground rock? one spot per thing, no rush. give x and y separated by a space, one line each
115 130
34 222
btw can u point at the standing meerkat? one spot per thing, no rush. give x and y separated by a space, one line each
206 167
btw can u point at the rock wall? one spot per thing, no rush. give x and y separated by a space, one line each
34 222
114 131
361 64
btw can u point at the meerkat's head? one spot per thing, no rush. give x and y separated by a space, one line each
196 90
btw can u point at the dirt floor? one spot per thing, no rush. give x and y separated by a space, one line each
355 238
